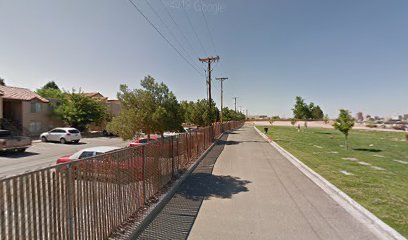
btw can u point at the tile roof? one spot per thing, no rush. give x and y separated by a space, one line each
17 93
92 94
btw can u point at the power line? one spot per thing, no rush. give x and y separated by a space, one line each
222 79
192 27
208 28
209 60
169 30
158 31
177 26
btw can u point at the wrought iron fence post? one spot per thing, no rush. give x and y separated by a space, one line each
70 196
177 153
172 156
144 174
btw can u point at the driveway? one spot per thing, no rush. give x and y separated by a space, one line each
41 155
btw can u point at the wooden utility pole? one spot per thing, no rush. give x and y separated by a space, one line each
235 103
209 60
222 79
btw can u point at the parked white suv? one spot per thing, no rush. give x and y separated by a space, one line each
62 135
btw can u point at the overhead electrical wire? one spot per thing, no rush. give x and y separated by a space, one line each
171 32
195 32
177 26
208 28
164 37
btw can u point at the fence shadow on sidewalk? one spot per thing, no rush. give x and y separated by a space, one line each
208 185
176 219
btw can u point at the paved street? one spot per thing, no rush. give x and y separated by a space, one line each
252 192
45 154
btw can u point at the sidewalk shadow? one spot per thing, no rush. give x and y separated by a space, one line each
176 219
208 185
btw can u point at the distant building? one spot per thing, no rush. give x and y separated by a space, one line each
397 118
405 117
360 117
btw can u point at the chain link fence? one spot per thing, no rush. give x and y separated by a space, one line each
90 198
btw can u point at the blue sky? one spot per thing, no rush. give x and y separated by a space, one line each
339 54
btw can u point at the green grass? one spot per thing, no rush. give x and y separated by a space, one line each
383 192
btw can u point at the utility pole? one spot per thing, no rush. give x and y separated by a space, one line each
222 79
209 60
235 103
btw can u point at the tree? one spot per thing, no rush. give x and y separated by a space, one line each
231 115
168 115
78 110
2 82
152 109
344 123
305 111
50 91
299 110
198 113
316 113
51 85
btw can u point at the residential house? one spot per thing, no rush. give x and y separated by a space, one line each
26 110
113 108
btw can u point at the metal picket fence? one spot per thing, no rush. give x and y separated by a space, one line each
90 198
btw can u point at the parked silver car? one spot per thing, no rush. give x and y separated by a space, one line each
62 135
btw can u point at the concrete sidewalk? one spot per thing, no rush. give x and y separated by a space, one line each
252 193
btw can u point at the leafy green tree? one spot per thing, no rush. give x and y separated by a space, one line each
231 115
78 110
300 110
344 123
152 109
168 115
50 91
316 113
305 111
198 113
51 85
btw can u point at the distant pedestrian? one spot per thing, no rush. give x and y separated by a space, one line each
266 130
298 127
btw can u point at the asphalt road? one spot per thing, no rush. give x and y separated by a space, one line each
41 155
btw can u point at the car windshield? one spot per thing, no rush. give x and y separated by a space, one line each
73 131
86 154
144 140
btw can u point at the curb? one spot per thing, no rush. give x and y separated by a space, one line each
155 209
376 225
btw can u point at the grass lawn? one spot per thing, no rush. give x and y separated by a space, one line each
377 164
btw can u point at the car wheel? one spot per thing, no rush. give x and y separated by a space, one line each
76 141
63 141
44 139
21 150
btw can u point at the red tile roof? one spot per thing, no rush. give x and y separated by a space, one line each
92 94
23 94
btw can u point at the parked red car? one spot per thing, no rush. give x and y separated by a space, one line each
143 140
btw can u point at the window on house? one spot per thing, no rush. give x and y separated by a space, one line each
35 107
35 126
